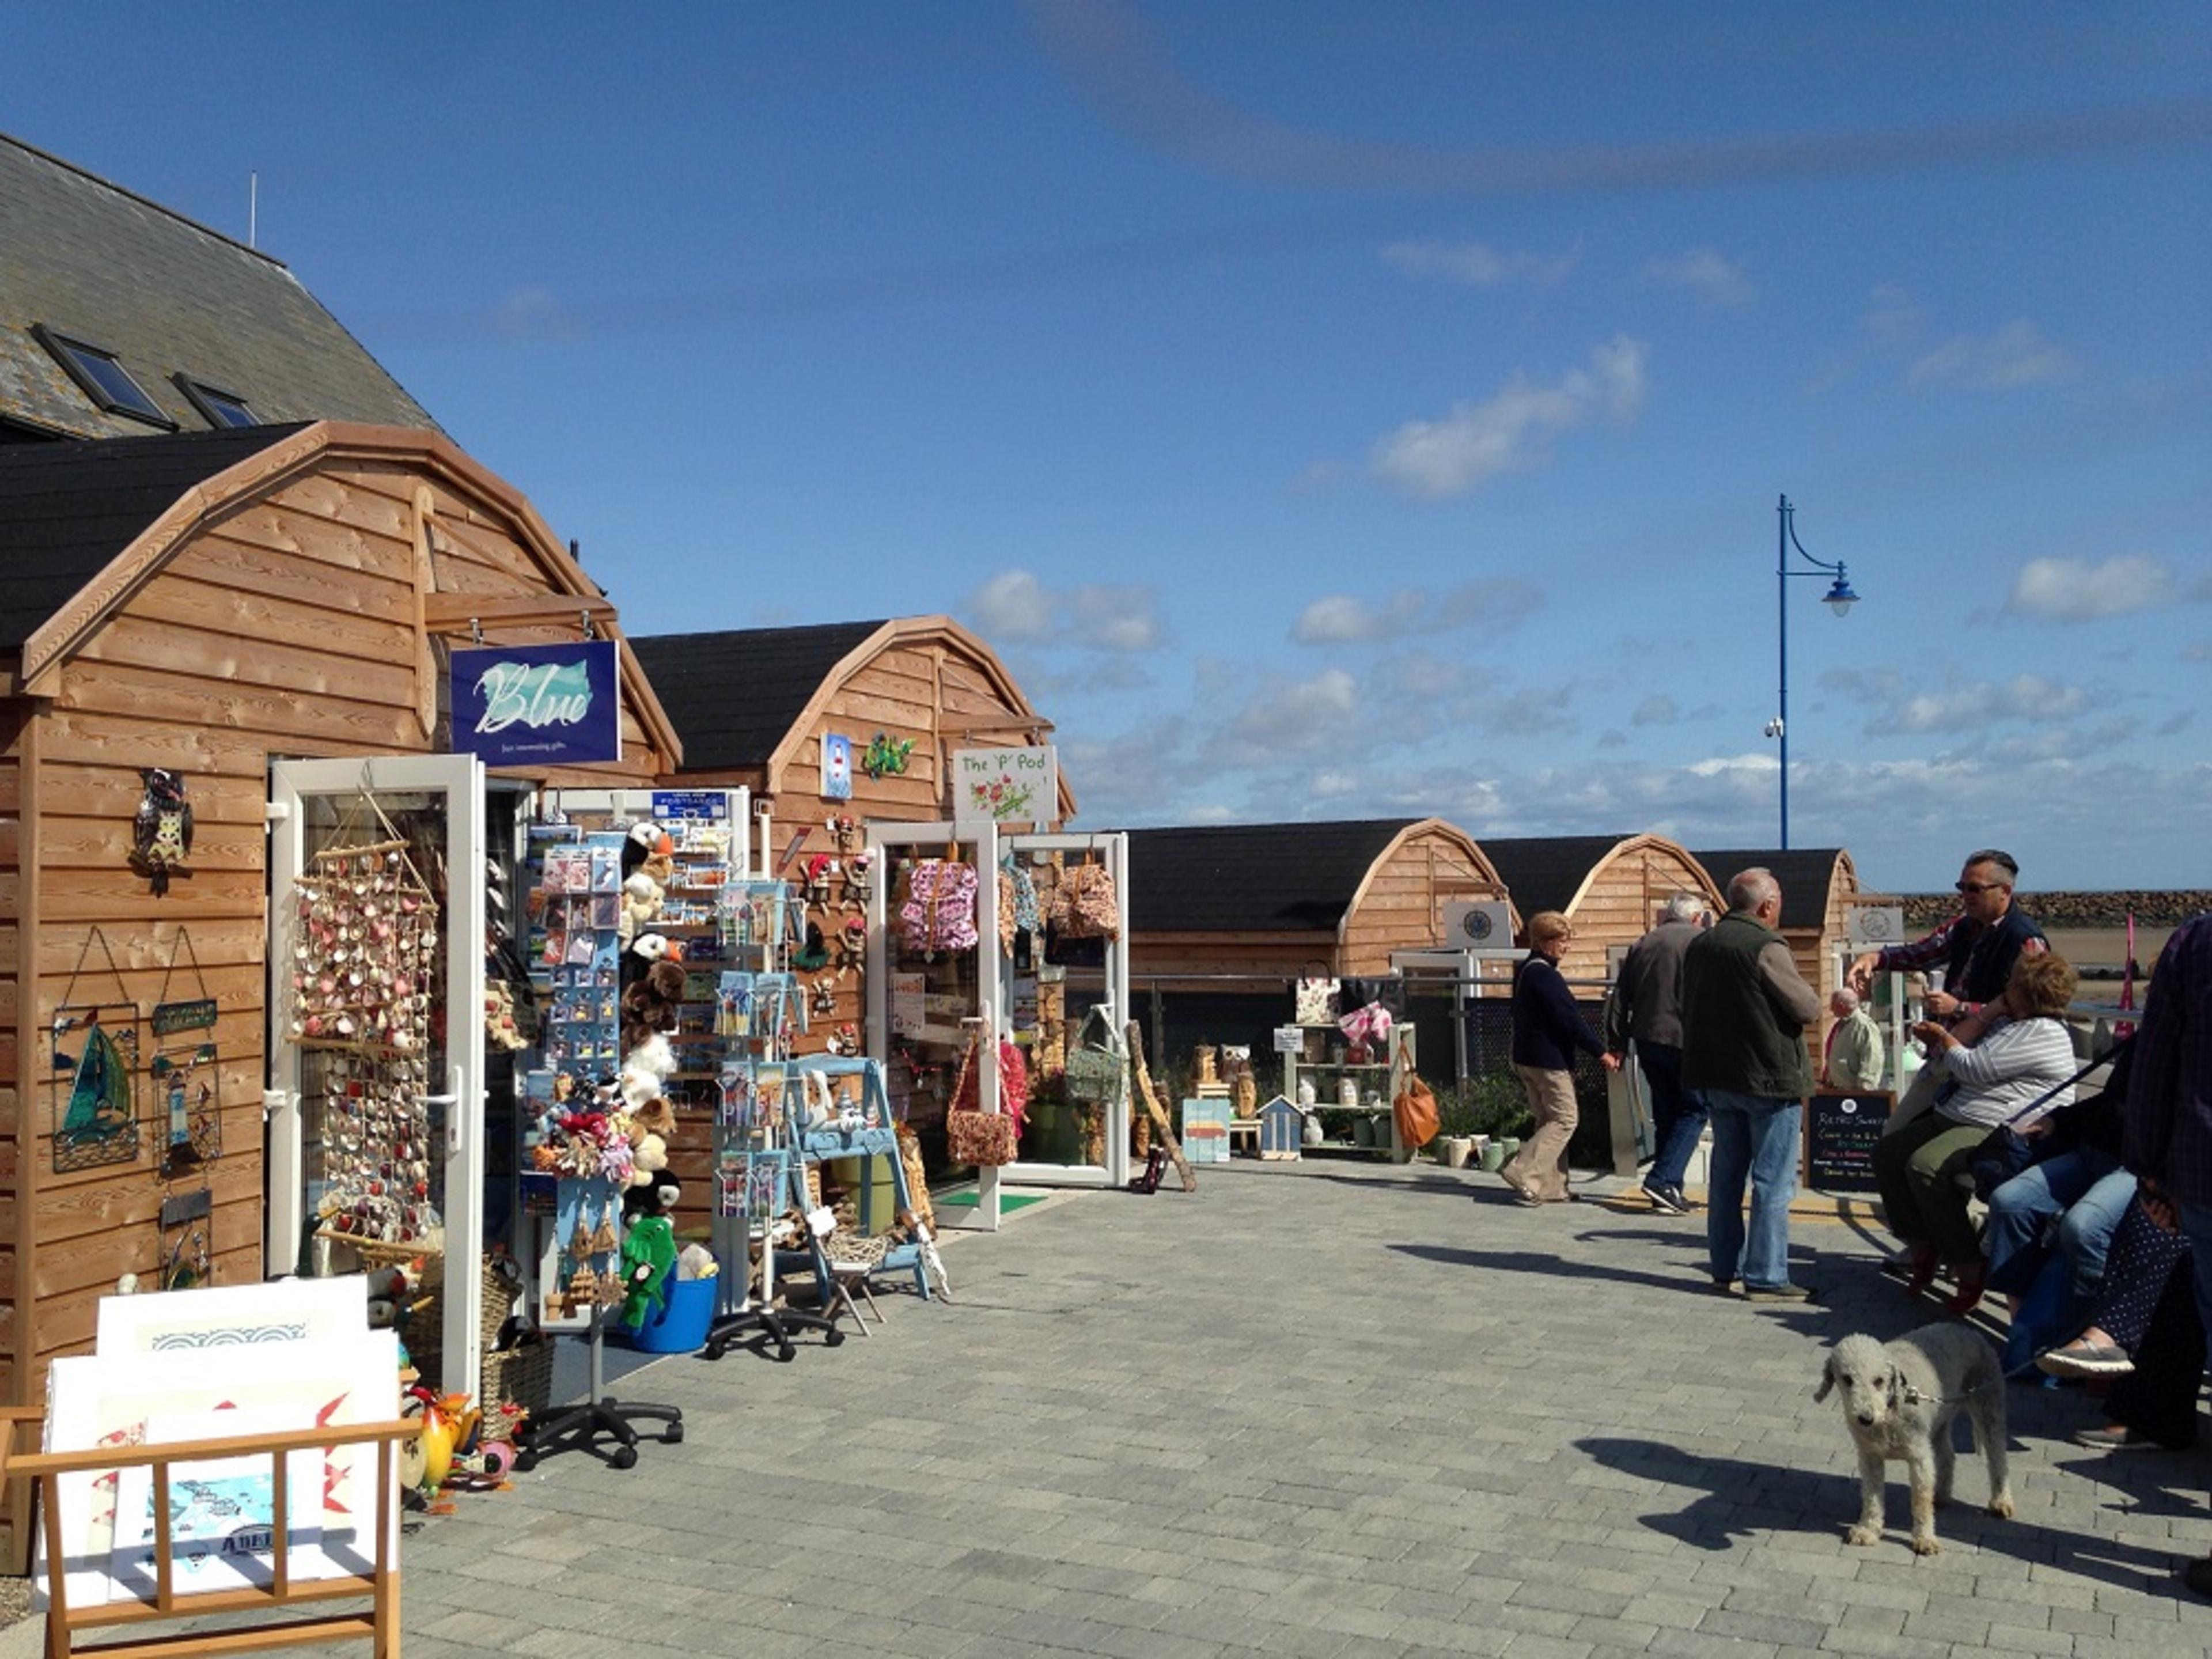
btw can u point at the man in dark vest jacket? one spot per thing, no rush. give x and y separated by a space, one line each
1646 1006
1976 950
1745 1008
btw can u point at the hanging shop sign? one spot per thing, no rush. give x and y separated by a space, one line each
1004 786
527 705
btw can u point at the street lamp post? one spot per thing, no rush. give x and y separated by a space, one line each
1839 599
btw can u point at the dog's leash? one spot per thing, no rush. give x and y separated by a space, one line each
1914 1397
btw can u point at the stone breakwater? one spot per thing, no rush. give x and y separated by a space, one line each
2073 910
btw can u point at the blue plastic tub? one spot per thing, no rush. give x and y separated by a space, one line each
681 1324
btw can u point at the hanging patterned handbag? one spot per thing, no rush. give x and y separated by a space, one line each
1317 1001
1094 1065
985 1140
1092 911
938 910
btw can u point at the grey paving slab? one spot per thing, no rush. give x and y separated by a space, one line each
1319 1409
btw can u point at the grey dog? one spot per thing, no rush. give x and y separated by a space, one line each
1899 1398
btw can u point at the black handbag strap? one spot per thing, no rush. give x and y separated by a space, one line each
2107 1057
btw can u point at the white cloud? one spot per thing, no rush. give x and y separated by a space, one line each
1343 618
1012 606
1015 606
1509 432
2076 590
1893 315
2017 355
1322 713
1476 264
1115 618
1712 277
1983 703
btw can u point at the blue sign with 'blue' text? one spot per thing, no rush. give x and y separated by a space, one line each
536 705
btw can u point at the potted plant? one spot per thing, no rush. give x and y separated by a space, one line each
1500 1110
1456 1128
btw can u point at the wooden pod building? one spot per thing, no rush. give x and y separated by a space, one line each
1819 885
1609 887
208 604
1281 900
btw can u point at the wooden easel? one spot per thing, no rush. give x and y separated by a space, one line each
1133 1035
379 1625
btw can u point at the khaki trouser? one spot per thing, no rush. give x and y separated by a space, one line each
1540 1166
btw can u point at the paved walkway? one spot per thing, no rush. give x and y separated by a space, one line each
1315 1409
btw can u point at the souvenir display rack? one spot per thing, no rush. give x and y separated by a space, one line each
1379 1083
760 1006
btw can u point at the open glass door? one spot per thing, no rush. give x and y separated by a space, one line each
376 1042
1048 990
926 1007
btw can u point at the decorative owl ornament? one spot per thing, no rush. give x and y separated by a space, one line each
161 833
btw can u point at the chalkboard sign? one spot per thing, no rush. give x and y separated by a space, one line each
1840 1134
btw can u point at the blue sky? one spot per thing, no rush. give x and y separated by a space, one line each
1329 411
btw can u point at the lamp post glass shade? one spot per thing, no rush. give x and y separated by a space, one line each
1838 598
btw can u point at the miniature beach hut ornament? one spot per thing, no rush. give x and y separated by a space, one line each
1282 1130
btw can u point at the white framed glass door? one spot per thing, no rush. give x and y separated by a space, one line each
376 1092
924 1008
1062 1159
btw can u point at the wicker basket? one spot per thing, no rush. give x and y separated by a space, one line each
520 1377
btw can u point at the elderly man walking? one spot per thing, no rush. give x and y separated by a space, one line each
1646 1007
1745 1008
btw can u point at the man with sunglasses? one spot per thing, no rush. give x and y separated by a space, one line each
1976 949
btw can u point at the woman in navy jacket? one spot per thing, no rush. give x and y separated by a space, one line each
1547 1029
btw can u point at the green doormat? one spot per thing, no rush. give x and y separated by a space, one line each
965 1200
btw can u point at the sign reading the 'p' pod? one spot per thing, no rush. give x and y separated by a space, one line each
1005 786
532 705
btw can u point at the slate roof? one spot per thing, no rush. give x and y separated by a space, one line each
89 259
1543 872
67 509
1252 878
734 696
1803 872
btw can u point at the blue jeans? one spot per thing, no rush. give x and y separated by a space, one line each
1754 1138
1678 1115
2088 1189
2196 1227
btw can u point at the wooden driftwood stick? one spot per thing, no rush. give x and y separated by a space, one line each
1142 1073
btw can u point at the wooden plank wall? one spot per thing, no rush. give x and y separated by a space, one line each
15 729
291 628
1618 907
1403 906
1278 956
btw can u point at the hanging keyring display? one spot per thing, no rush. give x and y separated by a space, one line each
364 952
187 1104
93 1054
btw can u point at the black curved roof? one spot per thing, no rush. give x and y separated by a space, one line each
1803 872
67 509
1252 878
732 696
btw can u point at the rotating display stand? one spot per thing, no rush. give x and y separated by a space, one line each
581 1427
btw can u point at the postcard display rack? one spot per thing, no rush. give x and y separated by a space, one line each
759 1006
576 1166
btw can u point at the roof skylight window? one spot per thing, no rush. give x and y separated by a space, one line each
220 408
103 378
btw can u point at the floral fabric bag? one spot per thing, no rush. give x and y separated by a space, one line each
938 910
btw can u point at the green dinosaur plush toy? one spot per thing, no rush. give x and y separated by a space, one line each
648 1247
